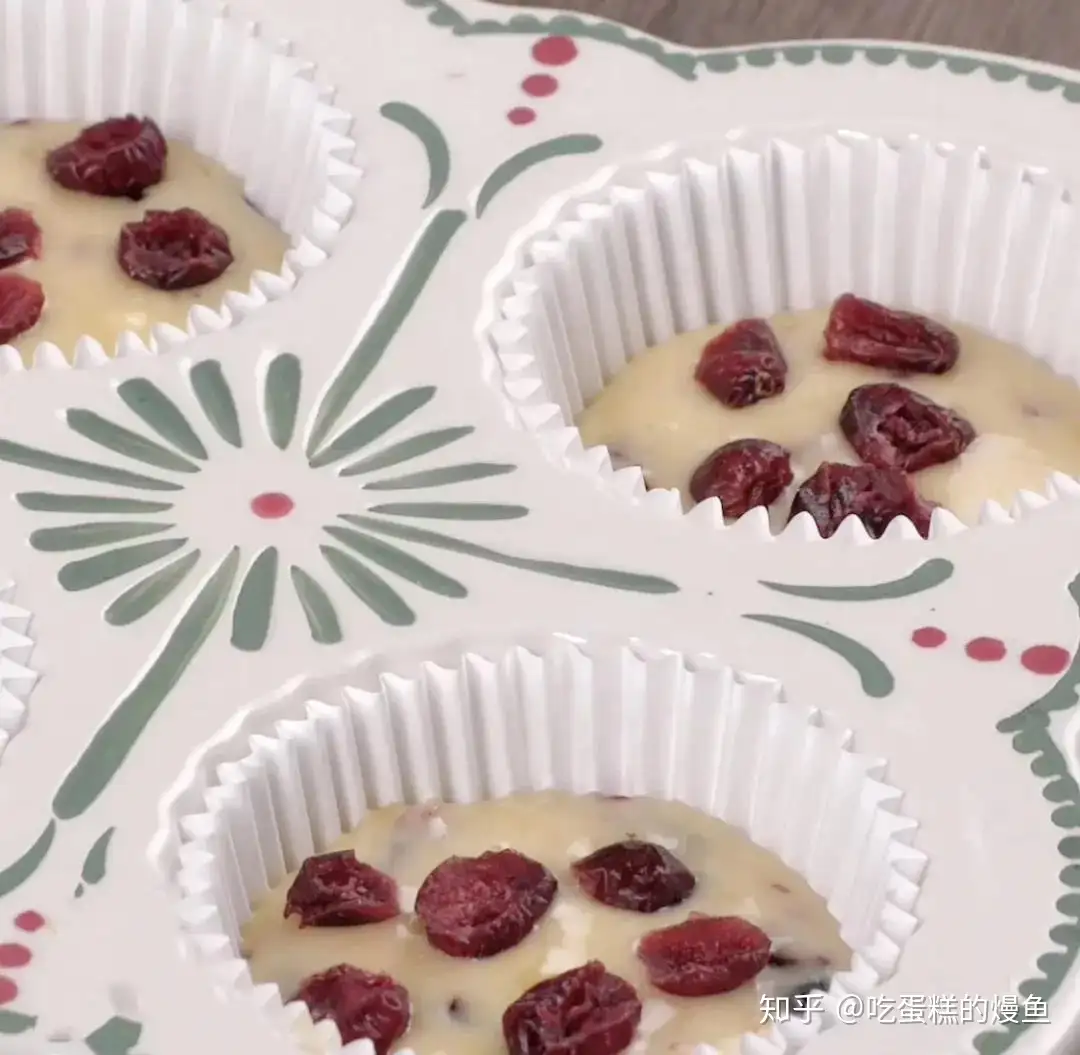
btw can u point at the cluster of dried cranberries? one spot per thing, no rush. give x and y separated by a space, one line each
894 430
478 907
119 158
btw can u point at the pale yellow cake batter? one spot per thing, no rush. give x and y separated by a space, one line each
734 877
1027 418
86 293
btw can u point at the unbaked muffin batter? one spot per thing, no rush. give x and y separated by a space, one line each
86 291
458 1003
1027 418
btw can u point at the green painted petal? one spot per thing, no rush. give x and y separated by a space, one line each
374 424
281 398
116 738
319 611
520 163
432 140
398 562
161 414
925 577
45 502
97 860
104 567
116 1037
396 306
451 510
17 873
606 577
123 441
876 679
216 399
12 1023
43 461
87 536
408 449
374 591
447 474
255 603
148 593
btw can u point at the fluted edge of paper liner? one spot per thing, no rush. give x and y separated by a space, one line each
17 679
758 225
253 107
489 721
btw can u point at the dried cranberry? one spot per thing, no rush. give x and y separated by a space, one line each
173 250
860 331
20 237
876 496
743 474
337 890
586 1011
363 1005
476 907
705 955
640 877
743 365
118 158
21 303
893 427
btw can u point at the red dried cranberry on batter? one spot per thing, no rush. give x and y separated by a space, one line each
875 496
363 1005
119 158
633 875
743 474
475 907
892 427
704 956
743 365
586 1011
20 237
180 249
860 331
21 302
337 890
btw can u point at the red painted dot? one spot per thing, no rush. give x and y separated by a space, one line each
540 85
1045 659
985 649
521 115
30 921
929 637
554 51
13 955
8 990
272 505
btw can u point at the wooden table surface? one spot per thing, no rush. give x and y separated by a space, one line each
1038 29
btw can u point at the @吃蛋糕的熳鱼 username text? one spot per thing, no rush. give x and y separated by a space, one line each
910 1008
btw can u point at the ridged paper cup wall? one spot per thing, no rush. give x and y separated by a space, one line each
684 240
286 779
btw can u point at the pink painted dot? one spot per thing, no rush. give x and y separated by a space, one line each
30 921
929 637
540 85
521 115
985 649
272 505
555 51
14 955
8 991
1045 659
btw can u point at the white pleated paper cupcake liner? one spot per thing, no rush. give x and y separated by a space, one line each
17 680
211 81
288 778
683 240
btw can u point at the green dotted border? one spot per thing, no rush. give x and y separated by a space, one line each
689 64
1030 727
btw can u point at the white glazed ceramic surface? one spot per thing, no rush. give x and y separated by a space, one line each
426 520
